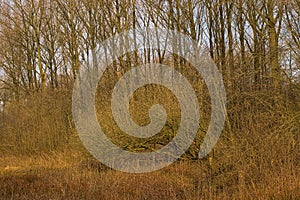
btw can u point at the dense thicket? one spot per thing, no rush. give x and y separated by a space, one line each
254 43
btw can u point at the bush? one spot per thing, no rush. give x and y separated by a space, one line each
38 123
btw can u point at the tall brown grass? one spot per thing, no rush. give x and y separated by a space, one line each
257 156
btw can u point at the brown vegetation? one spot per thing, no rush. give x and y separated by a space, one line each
255 44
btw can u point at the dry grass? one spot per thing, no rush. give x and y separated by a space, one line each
182 180
236 172
257 156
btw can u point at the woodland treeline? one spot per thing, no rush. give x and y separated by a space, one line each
254 43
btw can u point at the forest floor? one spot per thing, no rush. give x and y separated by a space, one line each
69 174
